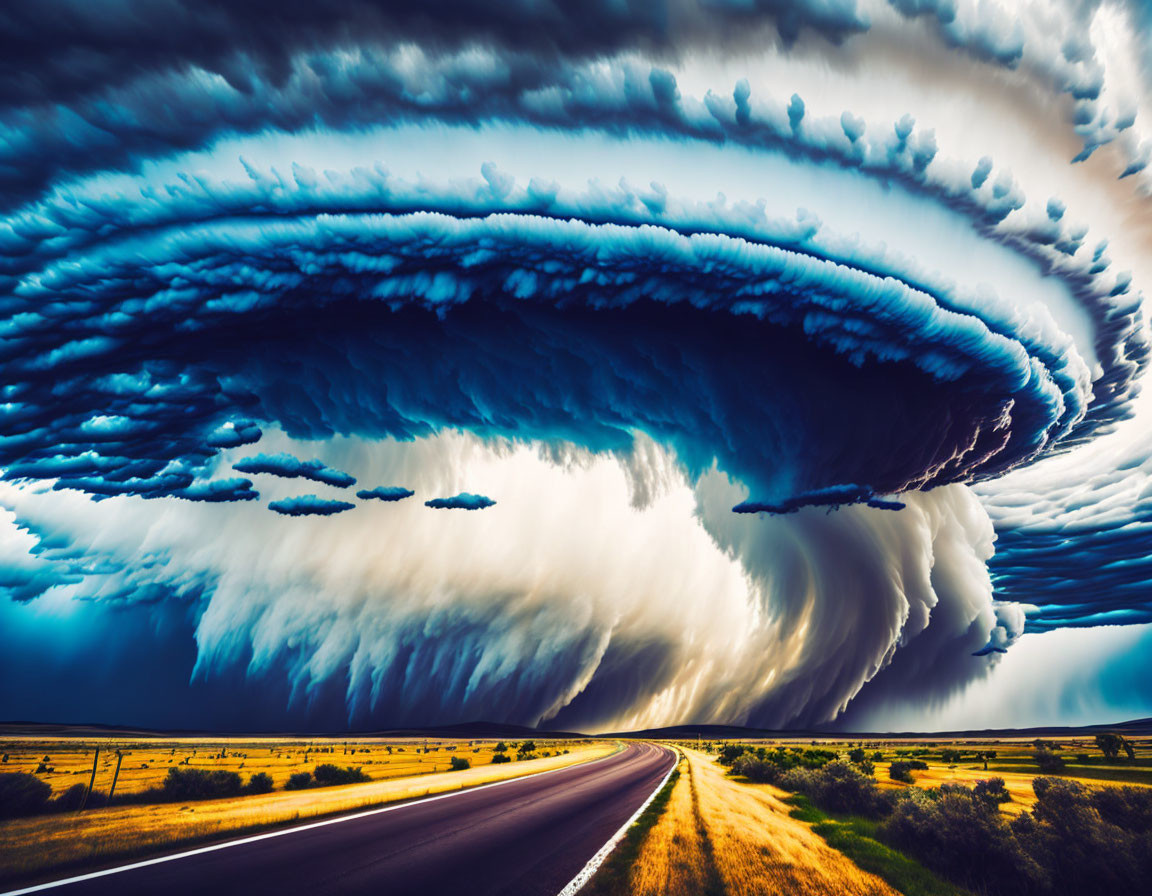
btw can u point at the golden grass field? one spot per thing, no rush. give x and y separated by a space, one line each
37 845
721 836
146 762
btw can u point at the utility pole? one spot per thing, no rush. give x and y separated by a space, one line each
91 781
115 776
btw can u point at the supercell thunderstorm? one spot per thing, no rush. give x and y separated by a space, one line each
590 365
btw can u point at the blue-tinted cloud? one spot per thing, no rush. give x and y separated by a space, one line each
309 505
292 468
385 493
462 501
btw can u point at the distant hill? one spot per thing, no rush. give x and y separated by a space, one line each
465 731
1132 728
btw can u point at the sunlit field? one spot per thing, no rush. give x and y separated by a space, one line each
720 836
730 826
53 841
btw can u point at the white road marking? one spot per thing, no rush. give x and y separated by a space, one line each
597 860
281 833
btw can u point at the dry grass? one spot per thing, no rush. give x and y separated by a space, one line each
722 836
35 846
146 762
1018 784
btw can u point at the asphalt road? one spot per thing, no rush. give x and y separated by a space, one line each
528 837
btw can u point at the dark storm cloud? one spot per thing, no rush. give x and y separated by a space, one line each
462 501
385 493
151 326
290 467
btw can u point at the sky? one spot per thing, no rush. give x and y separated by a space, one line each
593 365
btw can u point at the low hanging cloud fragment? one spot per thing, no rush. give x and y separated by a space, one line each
309 505
833 497
290 467
462 501
385 493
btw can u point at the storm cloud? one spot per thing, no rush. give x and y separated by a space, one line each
723 276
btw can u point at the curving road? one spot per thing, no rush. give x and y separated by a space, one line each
527 837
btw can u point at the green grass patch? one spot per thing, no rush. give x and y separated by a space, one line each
612 877
856 838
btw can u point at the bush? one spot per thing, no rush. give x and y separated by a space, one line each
198 784
1048 761
299 781
500 757
459 763
901 769
729 753
1085 851
992 791
501 747
838 787
22 794
261 782
962 837
329 775
754 768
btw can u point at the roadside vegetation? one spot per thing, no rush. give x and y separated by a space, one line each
1074 838
717 835
613 876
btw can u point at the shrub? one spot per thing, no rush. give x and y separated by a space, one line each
962 837
500 757
459 763
837 787
992 791
523 757
754 768
1084 851
501 747
199 784
1048 761
729 753
901 769
1126 807
22 794
261 782
857 754
329 775
299 781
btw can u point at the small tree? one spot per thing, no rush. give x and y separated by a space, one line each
459 763
1048 761
857 754
501 747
